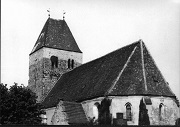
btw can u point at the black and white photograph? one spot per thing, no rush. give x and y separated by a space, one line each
90 62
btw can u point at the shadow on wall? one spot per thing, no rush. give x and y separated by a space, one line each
177 121
104 116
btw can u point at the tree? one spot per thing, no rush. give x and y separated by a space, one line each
3 101
18 106
143 114
104 112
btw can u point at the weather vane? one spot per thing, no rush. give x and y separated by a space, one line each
48 12
64 14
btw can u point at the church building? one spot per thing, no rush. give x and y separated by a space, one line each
124 87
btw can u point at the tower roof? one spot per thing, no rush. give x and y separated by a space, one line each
128 71
56 34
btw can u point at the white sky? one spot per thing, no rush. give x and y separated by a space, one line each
99 27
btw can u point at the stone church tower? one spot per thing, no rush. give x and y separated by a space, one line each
55 52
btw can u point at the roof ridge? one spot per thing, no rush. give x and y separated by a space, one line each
56 19
110 53
44 29
101 57
125 65
46 32
142 58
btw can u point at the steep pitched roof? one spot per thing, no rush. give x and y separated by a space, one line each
56 34
126 71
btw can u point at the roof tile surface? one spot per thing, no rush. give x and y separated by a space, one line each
119 73
56 34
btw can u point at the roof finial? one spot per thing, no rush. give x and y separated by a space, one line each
64 14
48 12
140 40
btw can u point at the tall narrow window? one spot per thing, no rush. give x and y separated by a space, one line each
161 109
72 64
128 112
69 63
54 61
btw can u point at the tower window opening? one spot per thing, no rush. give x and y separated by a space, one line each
128 112
72 64
69 63
54 62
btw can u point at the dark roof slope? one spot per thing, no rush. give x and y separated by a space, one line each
56 34
75 113
126 71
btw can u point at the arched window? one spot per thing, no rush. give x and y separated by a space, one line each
128 112
161 111
54 61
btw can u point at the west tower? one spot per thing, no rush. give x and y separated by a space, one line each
54 53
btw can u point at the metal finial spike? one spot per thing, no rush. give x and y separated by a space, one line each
48 12
64 14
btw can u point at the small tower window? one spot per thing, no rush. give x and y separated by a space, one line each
69 63
128 112
54 61
72 64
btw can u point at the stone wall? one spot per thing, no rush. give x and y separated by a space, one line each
88 107
118 105
169 112
35 72
42 75
62 54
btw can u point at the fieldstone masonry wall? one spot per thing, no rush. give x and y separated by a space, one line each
169 112
88 107
119 106
42 76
